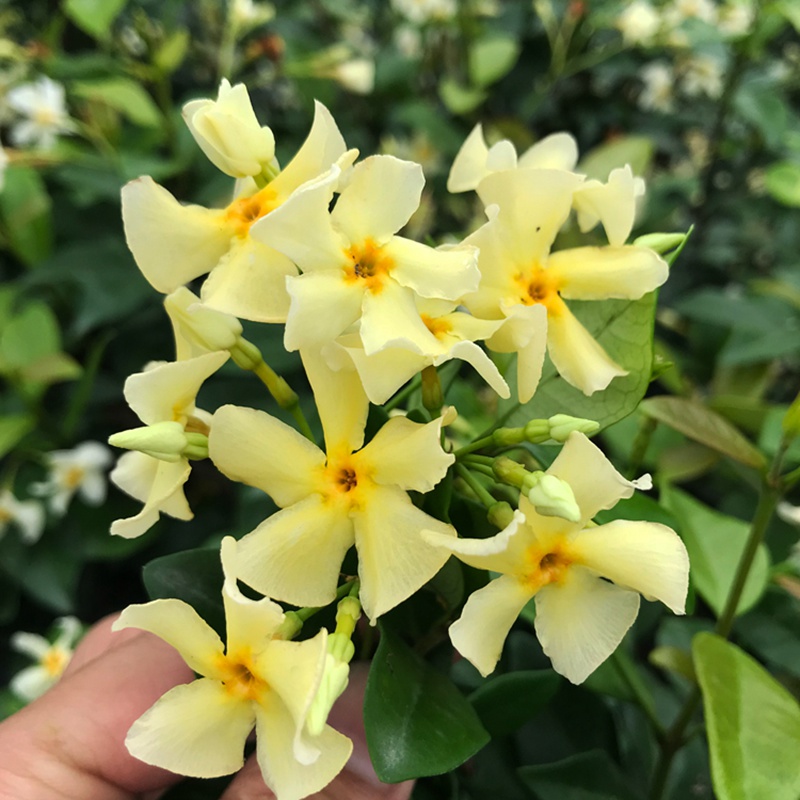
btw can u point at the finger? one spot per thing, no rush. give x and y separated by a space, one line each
357 781
98 640
70 743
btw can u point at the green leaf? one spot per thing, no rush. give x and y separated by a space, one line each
753 724
13 428
172 52
782 181
506 702
634 150
26 211
123 95
703 425
194 576
585 776
460 99
30 335
93 16
791 11
491 58
52 368
417 722
625 330
715 543
759 103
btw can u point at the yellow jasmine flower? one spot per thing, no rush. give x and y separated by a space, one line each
452 334
331 499
163 393
173 244
255 680
476 160
526 209
197 328
51 658
586 578
354 268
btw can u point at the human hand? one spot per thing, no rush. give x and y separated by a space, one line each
69 744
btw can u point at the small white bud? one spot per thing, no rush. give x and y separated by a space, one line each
552 497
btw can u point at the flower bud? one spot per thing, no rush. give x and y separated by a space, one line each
562 425
165 441
551 496
500 514
198 327
509 471
660 242
227 131
506 437
537 431
334 681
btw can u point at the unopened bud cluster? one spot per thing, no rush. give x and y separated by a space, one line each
538 431
551 496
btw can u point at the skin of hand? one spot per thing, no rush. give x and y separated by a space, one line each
69 744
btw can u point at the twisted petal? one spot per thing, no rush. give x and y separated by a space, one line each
254 448
172 244
579 359
612 203
295 555
448 274
557 151
282 772
407 454
394 559
644 556
481 631
389 317
250 282
600 273
595 483
323 305
384 372
366 210
469 165
166 393
581 621
198 729
483 365
181 627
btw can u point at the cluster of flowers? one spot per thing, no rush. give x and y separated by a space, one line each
315 246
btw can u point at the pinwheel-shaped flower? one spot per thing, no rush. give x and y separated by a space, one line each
586 578
527 207
255 680
333 499
174 244
355 269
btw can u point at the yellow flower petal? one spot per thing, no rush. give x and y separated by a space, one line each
393 558
612 203
287 777
481 631
365 210
469 165
198 729
384 372
172 244
255 448
407 454
180 626
556 151
579 359
295 555
581 621
250 282
644 556
391 317
600 273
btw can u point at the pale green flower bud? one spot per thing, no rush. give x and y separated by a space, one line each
551 496
201 327
509 471
660 242
562 425
246 355
500 514
165 441
506 437
334 682
537 431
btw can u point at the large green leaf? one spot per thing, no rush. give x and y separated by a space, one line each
123 95
625 329
93 16
782 181
417 722
698 422
26 211
29 336
634 150
715 543
585 776
491 57
194 576
753 724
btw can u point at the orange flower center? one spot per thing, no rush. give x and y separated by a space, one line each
544 566
55 661
367 264
244 211
240 678
73 477
438 326
539 286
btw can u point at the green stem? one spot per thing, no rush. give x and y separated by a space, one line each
284 396
480 490
404 393
349 587
478 444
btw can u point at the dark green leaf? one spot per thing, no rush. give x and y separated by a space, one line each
417 722
12 429
26 211
753 724
782 181
93 16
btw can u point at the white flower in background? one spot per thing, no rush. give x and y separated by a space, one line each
702 75
27 515
80 470
421 11
51 658
638 23
677 12
43 106
659 80
247 15
789 513
408 41
736 19
586 578
356 75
